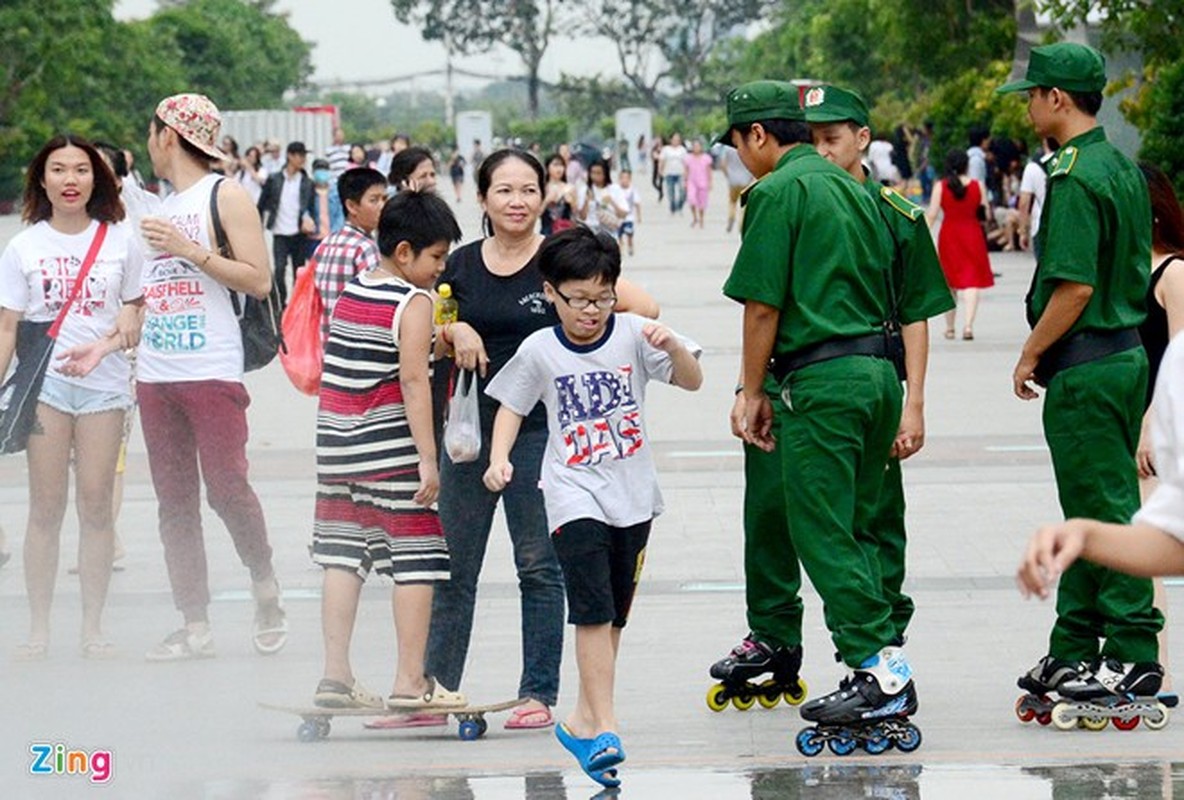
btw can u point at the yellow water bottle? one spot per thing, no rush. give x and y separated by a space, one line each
446 310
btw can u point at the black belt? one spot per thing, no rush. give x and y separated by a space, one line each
1083 347
877 345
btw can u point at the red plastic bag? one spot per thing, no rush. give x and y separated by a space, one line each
302 333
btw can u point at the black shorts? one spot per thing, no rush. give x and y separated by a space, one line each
601 568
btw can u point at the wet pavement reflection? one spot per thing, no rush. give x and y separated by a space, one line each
1096 781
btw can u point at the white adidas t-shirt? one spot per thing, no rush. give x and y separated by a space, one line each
38 271
190 330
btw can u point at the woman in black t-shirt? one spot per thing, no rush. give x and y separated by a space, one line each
499 293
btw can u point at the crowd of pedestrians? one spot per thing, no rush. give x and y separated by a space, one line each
558 345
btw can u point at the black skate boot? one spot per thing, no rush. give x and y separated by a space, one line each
870 709
1049 674
750 659
1112 691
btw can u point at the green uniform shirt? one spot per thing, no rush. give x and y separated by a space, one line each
1095 229
920 285
814 247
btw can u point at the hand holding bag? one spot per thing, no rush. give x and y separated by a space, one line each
34 344
462 430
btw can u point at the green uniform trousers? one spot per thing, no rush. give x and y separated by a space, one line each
1092 415
772 577
840 420
885 540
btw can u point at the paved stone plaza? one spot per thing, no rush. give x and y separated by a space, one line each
976 492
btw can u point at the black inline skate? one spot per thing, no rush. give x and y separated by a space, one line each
1047 676
871 709
1112 691
750 659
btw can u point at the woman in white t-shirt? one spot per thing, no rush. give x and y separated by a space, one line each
672 164
602 204
69 193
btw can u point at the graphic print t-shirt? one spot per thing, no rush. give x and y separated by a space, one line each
599 463
37 274
190 330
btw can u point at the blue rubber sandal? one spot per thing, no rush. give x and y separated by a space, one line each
599 758
581 749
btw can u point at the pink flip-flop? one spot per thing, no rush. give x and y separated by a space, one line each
399 721
529 718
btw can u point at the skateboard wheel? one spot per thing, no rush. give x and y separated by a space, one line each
482 726
717 697
468 730
323 728
308 731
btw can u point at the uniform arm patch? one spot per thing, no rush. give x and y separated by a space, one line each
1064 162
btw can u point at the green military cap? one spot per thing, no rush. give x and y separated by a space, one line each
760 100
1064 65
832 104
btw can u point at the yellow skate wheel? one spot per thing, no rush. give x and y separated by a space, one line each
1093 723
1157 718
743 702
768 697
801 696
717 698
1062 717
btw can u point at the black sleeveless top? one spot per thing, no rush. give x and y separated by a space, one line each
1154 330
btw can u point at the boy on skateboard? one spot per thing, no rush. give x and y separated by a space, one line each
376 455
598 479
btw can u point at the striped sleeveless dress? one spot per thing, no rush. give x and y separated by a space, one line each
367 464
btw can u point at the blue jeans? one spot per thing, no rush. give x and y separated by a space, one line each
466 512
676 192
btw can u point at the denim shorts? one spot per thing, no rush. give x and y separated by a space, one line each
75 400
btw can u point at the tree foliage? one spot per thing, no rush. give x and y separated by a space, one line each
236 52
668 41
468 27
1154 28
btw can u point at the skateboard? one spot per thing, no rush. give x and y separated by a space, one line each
316 721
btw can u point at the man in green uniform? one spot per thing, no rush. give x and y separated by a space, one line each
839 125
1086 301
813 274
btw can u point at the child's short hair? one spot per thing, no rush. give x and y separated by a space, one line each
578 254
421 219
355 182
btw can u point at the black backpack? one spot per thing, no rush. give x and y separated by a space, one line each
259 321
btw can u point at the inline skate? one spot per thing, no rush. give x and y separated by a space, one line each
751 659
870 709
1047 676
1122 694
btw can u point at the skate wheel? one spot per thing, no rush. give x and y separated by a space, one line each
1128 724
1044 717
799 698
468 730
1099 723
1024 711
743 702
909 739
808 742
323 728
1157 718
768 695
717 697
842 745
876 742
1063 718
308 731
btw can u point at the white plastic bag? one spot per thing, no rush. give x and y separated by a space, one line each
462 430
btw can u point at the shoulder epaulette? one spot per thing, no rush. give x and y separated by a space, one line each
744 193
901 203
1064 161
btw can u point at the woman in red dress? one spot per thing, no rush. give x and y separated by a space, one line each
961 245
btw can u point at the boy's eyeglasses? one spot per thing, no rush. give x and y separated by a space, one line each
580 303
